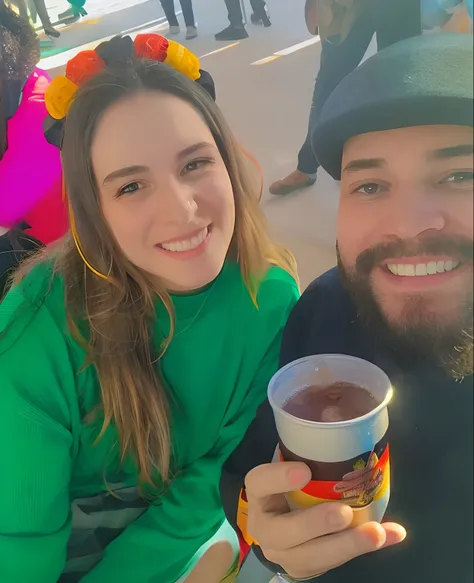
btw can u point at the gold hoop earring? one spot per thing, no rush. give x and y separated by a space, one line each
77 243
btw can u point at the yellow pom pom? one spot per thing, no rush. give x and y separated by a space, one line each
183 60
59 96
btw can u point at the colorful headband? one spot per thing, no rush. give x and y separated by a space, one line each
120 50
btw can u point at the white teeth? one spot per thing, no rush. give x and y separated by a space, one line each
188 244
421 269
431 267
393 268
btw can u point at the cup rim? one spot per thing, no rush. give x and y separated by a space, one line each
329 424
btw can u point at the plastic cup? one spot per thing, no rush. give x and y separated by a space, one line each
349 460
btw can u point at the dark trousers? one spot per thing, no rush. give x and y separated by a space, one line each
391 21
234 10
186 7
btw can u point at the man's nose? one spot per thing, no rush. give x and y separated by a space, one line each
411 215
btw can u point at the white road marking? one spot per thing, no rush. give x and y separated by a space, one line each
220 50
306 43
266 60
284 52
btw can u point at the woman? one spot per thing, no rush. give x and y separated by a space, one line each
149 335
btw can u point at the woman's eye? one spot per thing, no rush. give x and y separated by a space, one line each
196 165
370 188
459 178
129 188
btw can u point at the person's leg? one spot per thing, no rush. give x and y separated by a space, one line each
236 29
395 21
22 9
188 13
337 61
234 13
45 20
168 9
259 14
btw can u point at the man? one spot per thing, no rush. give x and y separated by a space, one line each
390 21
398 133
236 29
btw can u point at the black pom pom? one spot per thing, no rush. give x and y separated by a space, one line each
53 131
119 50
207 83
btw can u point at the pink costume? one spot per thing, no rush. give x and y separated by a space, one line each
30 170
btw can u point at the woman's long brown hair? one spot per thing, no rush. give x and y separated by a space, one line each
120 312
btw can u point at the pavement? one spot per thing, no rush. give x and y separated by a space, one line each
264 87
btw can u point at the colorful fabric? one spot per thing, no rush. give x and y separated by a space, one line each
30 170
69 510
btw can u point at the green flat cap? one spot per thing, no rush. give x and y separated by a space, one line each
426 80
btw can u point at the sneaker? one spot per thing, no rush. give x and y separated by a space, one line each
191 32
293 182
173 30
232 33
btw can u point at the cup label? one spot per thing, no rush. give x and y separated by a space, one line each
357 482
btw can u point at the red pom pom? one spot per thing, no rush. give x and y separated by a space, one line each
151 46
84 66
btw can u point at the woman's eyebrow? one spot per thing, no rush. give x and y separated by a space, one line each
124 172
193 148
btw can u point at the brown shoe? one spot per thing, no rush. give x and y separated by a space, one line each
294 181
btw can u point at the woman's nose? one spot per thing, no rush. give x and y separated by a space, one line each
180 204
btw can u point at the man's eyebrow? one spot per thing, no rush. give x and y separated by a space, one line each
194 148
452 152
364 164
124 172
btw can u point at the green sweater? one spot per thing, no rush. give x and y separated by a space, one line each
57 519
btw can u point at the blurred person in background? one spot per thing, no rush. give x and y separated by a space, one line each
236 29
188 15
74 12
346 29
40 10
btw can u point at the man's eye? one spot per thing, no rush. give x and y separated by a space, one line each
459 178
196 165
370 188
129 188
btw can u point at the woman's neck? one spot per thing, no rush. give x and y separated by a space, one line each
3 230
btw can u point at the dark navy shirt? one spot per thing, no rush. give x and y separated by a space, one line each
431 447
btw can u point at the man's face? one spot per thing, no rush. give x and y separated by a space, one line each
405 225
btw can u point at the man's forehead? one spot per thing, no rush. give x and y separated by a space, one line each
425 139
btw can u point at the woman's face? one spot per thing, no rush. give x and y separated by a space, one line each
164 189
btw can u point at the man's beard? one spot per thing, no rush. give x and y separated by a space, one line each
420 337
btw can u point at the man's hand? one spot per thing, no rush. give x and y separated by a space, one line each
310 541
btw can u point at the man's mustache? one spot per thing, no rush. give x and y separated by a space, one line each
459 247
